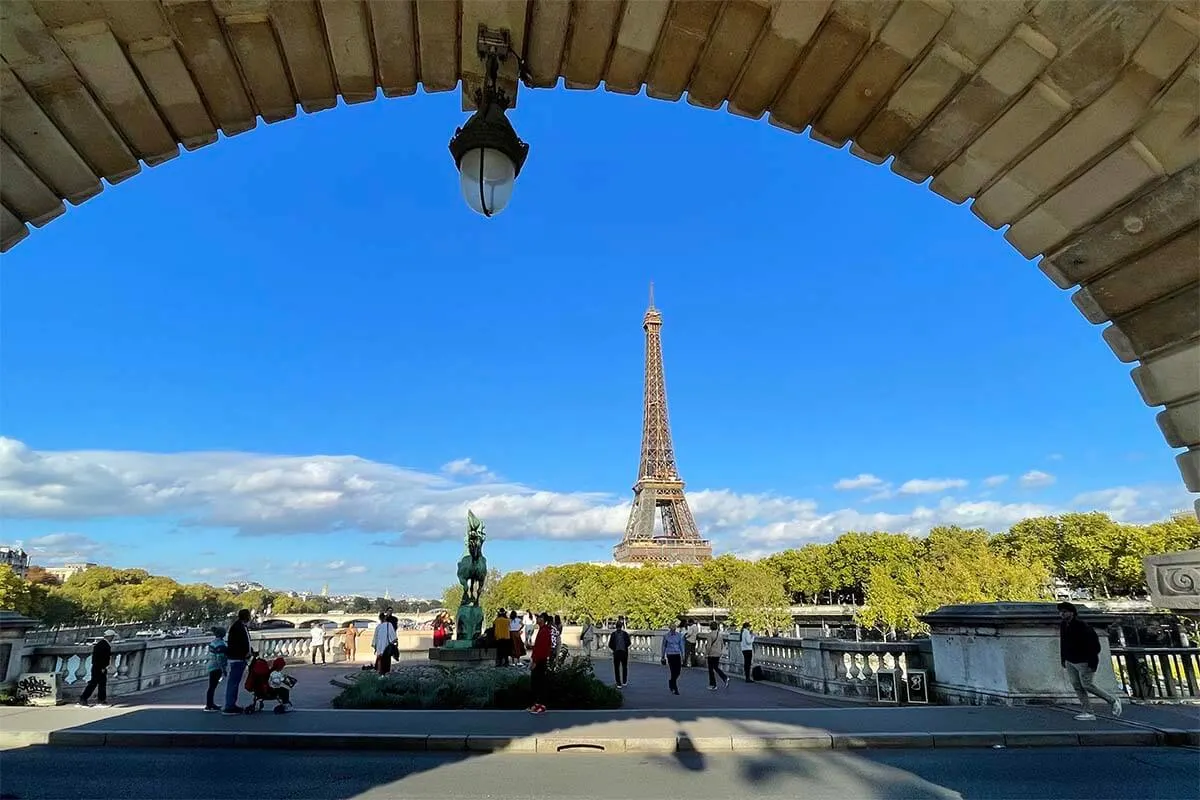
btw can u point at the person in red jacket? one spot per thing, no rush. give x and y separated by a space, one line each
540 660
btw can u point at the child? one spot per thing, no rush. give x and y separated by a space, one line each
218 666
281 684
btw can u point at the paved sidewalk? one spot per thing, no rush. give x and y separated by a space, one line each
625 730
647 689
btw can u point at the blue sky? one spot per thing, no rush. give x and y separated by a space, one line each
298 356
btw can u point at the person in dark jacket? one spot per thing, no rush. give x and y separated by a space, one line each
1079 651
618 642
101 659
237 651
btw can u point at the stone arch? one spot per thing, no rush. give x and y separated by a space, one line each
1074 123
277 621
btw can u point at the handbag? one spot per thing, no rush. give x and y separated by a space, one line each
393 650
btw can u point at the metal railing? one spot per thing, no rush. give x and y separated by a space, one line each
1158 673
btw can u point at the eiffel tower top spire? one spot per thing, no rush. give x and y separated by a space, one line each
653 316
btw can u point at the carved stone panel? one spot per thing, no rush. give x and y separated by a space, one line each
1174 581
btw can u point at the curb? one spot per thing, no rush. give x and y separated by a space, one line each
559 743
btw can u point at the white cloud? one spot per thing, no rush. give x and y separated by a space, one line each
1035 479
61 548
1054 457
994 481
466 468
864 480
931 485
260 495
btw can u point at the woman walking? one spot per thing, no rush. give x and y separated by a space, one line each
714 651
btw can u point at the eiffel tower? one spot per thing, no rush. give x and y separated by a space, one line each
659 488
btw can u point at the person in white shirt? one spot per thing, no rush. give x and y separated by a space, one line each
692 640
747 644
318 642
385 637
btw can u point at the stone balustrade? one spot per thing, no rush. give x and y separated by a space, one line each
824 666
140 665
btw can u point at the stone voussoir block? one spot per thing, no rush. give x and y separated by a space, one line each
146 739
505 744
863 741
968 739
76 738
1041 739
443 743
704 744
598 744
1131 737
769 742
652 744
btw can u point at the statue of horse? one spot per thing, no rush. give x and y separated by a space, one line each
472 574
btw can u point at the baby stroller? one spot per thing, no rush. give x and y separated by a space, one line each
268 682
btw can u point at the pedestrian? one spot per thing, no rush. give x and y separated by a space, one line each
317 640
672 655
500 632
692 641
543 648
747 645
350 642
1079 651
716 648
101 658
618 642
514 637
218 667
530 629
383 641
556 641
587 637
237 650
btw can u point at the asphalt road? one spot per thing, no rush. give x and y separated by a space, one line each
41 773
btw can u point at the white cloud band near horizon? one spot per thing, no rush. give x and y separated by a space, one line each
265 495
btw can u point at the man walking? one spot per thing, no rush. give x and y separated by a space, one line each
101 658
692 641
237 651
672 655
618 642
1079 651
318 642
747 645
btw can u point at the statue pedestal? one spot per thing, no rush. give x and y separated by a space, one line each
468 625
462 656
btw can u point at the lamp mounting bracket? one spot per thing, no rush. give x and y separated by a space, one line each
493 44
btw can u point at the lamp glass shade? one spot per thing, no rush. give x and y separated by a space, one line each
486 177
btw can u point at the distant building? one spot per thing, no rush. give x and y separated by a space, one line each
237 587
16 558
64 572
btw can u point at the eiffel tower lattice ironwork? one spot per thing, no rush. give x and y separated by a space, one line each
659 489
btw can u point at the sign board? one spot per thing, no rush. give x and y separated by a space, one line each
38 688
887 688
916 685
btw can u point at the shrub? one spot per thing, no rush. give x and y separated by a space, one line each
436 686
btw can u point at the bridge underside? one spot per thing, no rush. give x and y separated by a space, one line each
1073 122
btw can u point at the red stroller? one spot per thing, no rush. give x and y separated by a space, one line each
268 682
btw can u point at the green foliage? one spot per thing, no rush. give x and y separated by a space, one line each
950 566
435 686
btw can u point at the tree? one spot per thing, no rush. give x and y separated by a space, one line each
14 592
39 576
758 597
